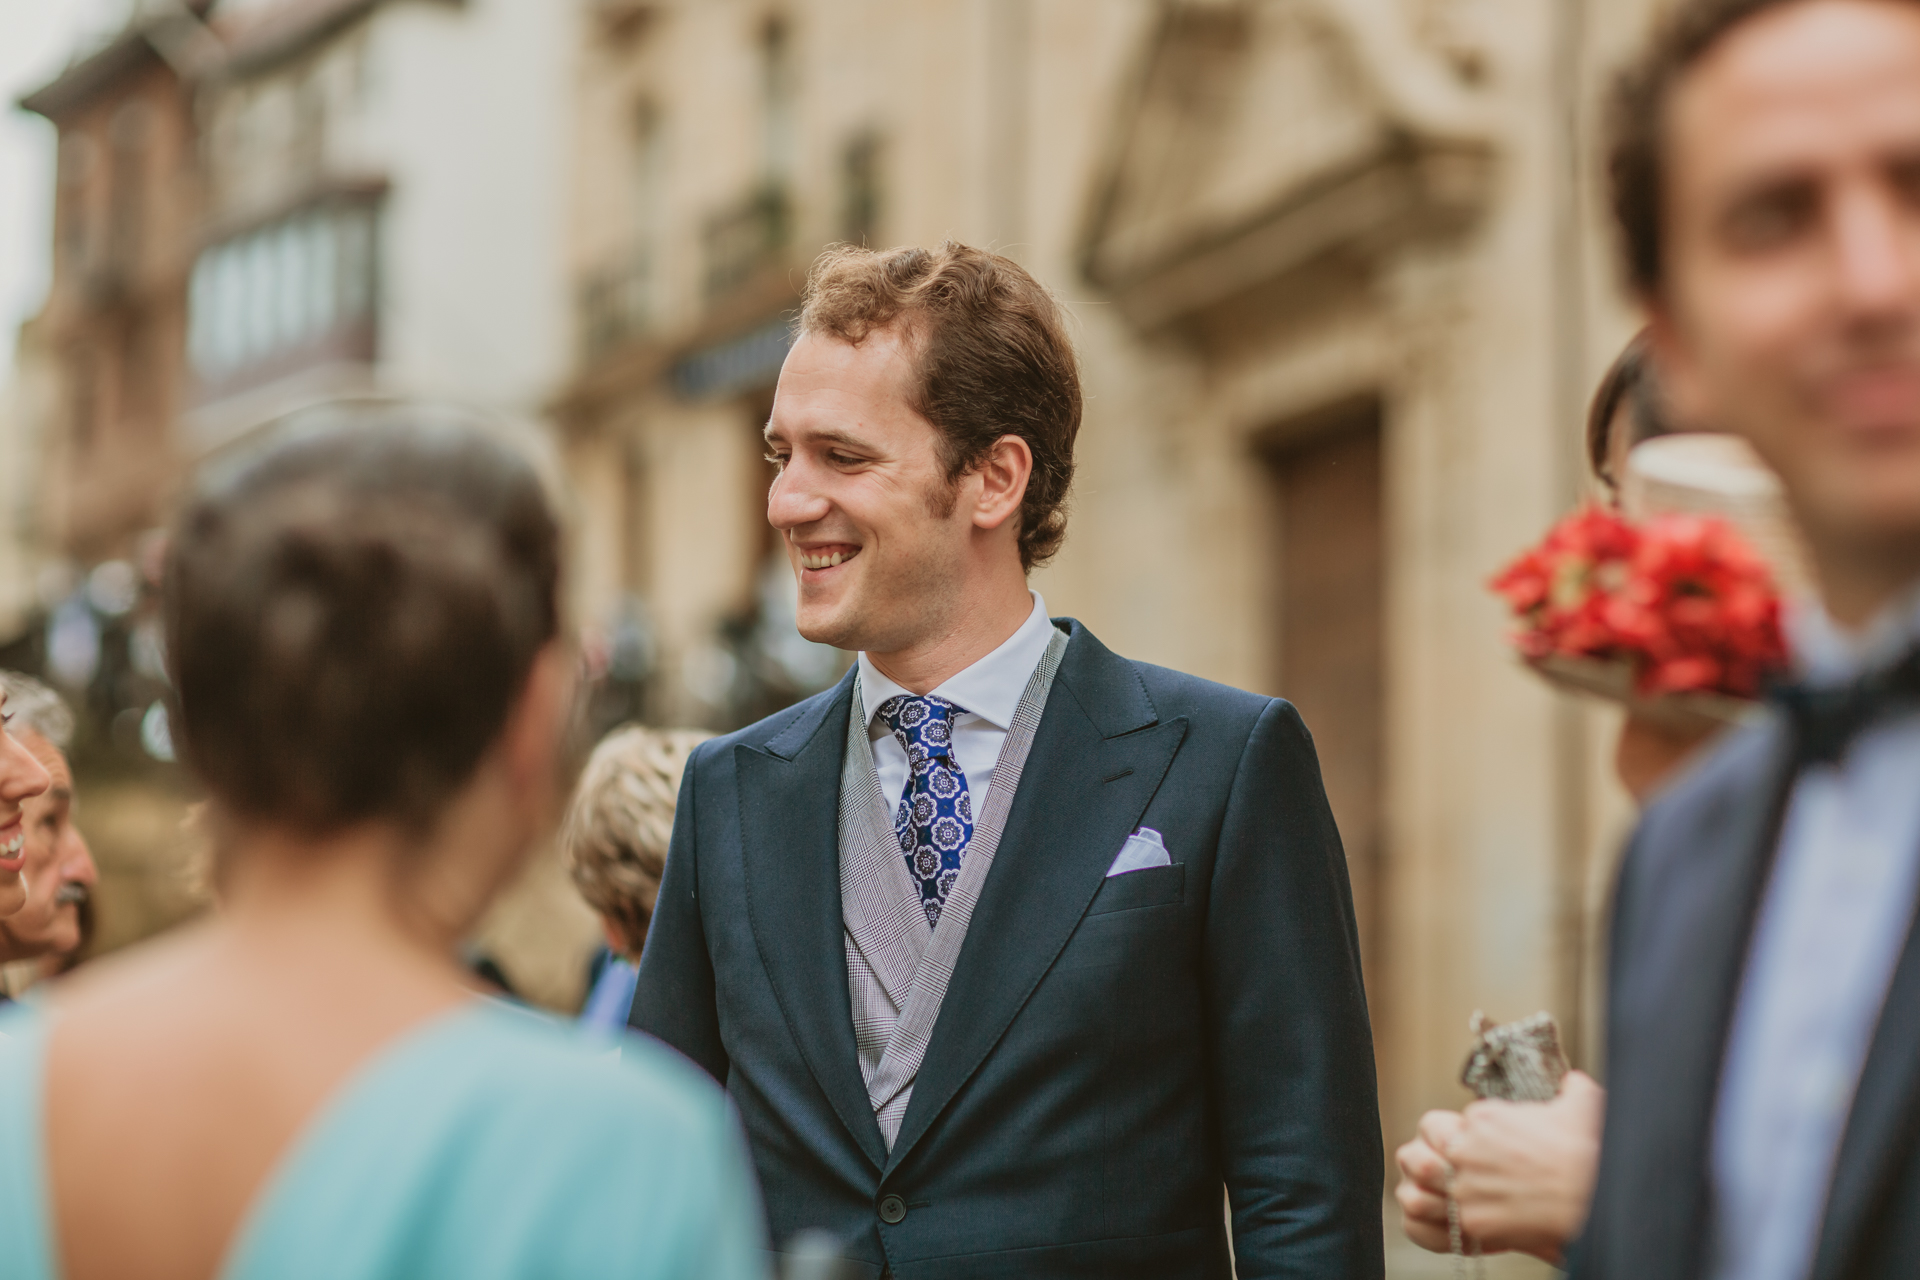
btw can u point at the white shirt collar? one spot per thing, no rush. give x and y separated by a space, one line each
1828 653
990 688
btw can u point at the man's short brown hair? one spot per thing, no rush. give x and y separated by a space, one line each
1637 151
992 359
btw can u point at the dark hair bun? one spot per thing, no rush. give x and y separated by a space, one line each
352 607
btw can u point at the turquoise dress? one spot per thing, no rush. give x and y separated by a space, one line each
486 1144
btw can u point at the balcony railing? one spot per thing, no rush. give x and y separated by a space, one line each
301 290
616 304
743 239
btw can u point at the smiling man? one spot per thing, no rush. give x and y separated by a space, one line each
1012 952
58 868
1764 1005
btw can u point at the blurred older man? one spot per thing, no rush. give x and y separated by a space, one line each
59 868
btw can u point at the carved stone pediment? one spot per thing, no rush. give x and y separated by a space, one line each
1262 136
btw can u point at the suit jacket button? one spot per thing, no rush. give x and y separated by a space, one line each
892 1210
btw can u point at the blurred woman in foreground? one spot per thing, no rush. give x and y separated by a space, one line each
362 622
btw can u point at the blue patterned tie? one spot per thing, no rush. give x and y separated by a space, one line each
935 819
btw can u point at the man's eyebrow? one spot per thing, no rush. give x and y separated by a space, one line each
847 438
827 435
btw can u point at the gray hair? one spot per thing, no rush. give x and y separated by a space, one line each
621 821
38 708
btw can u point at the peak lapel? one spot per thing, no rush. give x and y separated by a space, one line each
1880 1125
1067 823
789 826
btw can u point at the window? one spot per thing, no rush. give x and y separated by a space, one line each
292 292
860 189
779 128
79 156
132 124
649 174
84 402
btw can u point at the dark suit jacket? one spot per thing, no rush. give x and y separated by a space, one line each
1109 1053
1688 895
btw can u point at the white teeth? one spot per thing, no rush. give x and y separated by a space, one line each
825 562
13 846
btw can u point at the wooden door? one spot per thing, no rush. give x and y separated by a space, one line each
1328 601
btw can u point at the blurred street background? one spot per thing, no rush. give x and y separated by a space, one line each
1341 283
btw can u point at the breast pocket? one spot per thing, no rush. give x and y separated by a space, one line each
1153 887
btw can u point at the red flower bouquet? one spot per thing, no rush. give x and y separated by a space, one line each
1679 606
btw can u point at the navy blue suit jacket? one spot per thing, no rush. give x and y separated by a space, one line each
1684 912
1110 1052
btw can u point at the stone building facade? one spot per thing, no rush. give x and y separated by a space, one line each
1342 285
263 204
102 362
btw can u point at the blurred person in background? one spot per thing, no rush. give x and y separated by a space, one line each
1763 1010
1521 1174
51 925
363 626
22 777
615 839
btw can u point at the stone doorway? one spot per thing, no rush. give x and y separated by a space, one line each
1328 644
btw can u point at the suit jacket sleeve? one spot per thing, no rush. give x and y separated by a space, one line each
674 997
1292 1052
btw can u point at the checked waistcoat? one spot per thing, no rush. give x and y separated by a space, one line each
898 964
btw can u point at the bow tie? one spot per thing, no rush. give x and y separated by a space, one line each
1827 720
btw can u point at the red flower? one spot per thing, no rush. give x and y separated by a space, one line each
1683 599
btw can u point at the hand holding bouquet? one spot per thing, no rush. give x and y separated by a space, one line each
1677 612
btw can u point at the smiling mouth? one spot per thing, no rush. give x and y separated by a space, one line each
825 559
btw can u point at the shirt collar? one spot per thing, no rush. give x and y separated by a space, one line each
991 688
1828 653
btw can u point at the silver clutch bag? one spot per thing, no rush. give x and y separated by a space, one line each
1516 1061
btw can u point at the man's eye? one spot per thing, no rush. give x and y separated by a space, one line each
779 460
842 459
1771 218
1905 177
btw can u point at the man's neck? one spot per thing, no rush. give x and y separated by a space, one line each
974 632
1856 588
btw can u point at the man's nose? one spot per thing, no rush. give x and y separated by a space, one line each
794 499
1877 244
21 776
76 861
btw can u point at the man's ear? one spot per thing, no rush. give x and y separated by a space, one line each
1683 392
1003 473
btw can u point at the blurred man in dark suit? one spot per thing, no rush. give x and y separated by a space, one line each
1764 1016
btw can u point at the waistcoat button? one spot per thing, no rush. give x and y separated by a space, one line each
892 1210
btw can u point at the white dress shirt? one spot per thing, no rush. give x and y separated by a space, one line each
989 691
1834 920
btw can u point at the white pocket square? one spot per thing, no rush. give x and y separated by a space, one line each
1143 849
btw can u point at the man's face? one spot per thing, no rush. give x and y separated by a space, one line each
1790 311
59 866
876 536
